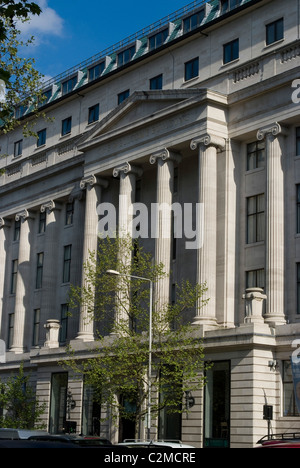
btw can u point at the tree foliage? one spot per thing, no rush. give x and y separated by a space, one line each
117 371
19 408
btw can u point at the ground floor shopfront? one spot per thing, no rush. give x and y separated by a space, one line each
251 367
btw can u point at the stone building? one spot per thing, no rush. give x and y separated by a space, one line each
202 107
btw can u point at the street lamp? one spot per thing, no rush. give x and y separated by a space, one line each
117 273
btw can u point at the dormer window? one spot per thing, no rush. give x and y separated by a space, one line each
96 71
69 85
228 5
125 56
193 22
158 39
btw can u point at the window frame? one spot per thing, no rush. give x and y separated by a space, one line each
18 148
42 138
125 56
157 40
67 264
66 126
259 163
156 83
69 85
94 114
39 270
278 31
256 216
123 96
191 69
234 54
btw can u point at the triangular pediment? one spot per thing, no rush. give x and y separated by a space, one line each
137 109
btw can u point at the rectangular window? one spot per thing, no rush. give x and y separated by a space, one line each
96 71
191 69
18 148
14 275
11 325
298 209
67 264
69 85
66 127
125 56
70 213
64 323
275 31
289 400
298 141
156 83
42 222
256 279
36 327
158 39
42 137
231 51
298 288
39 270
256 155
17 231
94 112
123 96
256 219
193 22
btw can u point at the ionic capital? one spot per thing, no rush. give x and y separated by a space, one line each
4 223
271 130
127 169
91 181
165 155
23 215
209 140
50 206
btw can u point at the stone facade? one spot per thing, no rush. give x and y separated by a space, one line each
226 138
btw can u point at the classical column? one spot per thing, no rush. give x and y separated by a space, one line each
127 174
208 147
49 305
93 186
274 137
4 226
165 160
23 282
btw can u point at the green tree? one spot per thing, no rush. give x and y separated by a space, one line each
19 408
117 371
23 83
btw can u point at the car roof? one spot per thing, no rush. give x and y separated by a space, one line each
10 433
154 444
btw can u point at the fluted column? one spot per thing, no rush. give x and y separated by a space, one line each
275 141
93 187
52 210
165 187
4 226
208 147
127 174
23 282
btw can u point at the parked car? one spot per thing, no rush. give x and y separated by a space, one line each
153 444
19 434
25 443
86 441
287 440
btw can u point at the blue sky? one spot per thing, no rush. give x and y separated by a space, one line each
70 31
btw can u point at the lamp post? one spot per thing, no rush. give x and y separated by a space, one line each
117 273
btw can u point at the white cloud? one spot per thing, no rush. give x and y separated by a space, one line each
48 23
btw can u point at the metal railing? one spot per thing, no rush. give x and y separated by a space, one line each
129 40
225 7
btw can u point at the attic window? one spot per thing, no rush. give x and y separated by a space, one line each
96 71
158 39
193 22
125 56
69 85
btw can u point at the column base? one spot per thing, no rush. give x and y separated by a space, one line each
85 337
17 350
275 319
207 321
